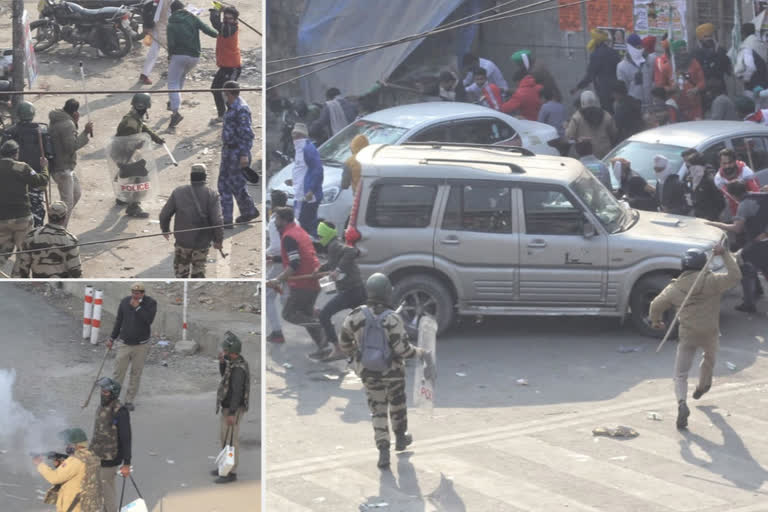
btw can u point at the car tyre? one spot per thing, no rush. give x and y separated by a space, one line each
639 302
421 294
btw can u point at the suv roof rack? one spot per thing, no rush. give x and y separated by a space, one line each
437 145
512 167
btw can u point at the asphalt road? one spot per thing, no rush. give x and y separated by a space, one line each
492 443
174 426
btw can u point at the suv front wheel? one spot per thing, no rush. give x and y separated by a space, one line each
640 303
420 294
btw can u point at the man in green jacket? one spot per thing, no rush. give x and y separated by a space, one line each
183 50
66 142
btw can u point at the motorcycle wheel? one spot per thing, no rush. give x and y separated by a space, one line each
46 34
120 44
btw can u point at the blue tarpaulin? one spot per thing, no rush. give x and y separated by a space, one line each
337 24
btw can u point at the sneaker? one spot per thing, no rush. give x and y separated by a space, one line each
176 118
216 120
383 458
226 479
215 472
682 415
145 79
335 355
276 337
130 406
698 393
134 210
321 353
403 441
746 309
246 218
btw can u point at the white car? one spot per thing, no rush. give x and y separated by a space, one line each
445 122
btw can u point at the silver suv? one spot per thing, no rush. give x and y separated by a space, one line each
467 230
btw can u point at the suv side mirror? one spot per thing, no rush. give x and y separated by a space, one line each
589 229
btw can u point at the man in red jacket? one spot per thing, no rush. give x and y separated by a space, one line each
483 91
299 259
525 100
227 54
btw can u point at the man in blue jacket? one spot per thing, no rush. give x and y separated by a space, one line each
307 180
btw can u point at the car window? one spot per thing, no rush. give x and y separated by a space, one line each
480 131
336 149
641 154
548 211
401 205
712 154
751 150
480 208
437 133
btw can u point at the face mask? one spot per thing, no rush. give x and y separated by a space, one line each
710 44
106 400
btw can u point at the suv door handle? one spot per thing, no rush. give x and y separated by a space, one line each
537 244
451 240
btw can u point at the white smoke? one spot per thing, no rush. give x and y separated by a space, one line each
21 432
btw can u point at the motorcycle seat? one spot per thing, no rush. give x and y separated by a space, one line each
103 13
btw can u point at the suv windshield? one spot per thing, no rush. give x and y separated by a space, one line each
336 149
600 201
640 155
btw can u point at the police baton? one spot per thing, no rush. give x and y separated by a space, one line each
702 272
82 78
165 147
96 382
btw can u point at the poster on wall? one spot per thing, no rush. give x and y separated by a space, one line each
652 17
617 37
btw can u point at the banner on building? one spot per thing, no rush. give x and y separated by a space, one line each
652 17
30 61
610 13
618 37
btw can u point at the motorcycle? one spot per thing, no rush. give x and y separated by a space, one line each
107 29
138 8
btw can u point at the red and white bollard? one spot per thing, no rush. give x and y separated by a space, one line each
87 312
184 315
96 320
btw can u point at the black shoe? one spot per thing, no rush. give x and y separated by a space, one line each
698 393
746 309
403 441
118 202
245 218
214 472
176 118
225 479
383 458
682 415
228 224
130 406
321 353
134 210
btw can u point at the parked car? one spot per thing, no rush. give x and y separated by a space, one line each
419 122
486 231
749 140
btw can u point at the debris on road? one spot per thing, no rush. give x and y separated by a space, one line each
618 431
461 374
730 365
287 366
620 457
654 416
626 350
522 382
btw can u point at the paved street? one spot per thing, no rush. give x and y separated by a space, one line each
174 427
495 444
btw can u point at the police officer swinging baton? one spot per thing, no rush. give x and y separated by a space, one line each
702 272
96 382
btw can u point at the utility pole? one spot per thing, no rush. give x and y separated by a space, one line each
18 53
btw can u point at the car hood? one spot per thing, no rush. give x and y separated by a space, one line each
684 230
331 178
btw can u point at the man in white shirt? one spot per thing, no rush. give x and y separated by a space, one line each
274 268
493 73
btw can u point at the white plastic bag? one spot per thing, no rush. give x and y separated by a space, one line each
226 458
135 506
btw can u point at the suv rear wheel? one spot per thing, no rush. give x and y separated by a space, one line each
419 294
640 304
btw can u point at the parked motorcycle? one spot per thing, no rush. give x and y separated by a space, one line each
107 29
138 8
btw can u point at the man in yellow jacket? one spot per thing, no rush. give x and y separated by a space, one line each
77 477
699 319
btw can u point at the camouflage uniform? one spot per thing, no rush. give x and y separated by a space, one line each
223 397
15 215
104 443
56 257
91 497
28 136
183 258
385 391
237 137
77 475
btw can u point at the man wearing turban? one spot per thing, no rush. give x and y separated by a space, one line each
601 70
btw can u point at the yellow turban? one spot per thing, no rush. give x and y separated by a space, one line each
598 37
353 166
705 30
